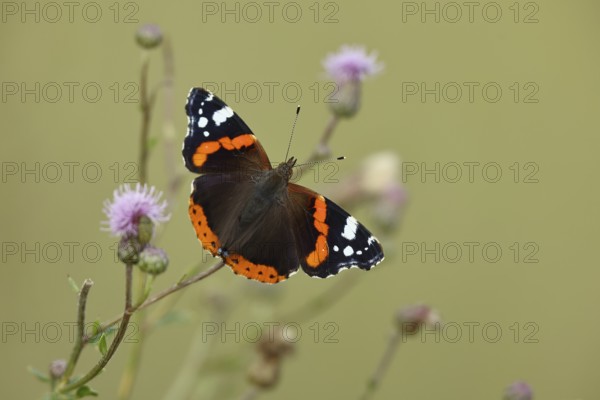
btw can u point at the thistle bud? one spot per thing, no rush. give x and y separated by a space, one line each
129 249
153 261
346 99
264 372
57 368
149 36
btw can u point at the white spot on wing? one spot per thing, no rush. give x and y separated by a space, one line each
221 116
335 248
359 252
202 122
350 228
348 251
200 111
206 133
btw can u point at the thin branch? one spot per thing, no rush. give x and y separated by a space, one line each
117 339
250 394
384 365
78 347
174 177
146 106
130 373
176 287
322 149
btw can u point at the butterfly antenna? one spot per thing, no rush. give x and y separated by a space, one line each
292 134
320 161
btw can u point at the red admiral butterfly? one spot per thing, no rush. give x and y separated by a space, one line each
250 215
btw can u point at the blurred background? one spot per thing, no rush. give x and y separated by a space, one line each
490 106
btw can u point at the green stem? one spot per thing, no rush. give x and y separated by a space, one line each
145 106
133 363
250 394
322 149
188 373
383 366
78 347
116 341
131 369
169 129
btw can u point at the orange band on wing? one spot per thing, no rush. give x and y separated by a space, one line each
205 235
319 254
259 272
321 251
206 148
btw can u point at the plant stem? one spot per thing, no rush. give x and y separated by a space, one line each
116 341
174 176
78 347
174 288
383 366
131 369
322 149
133 363
250 394
146 107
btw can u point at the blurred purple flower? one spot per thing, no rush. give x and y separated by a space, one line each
129 205
351 63
518 391
412 318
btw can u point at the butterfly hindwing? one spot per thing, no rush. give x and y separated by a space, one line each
262 251
218 140
328 238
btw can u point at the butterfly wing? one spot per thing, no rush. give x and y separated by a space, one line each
328 238
218 140
264 250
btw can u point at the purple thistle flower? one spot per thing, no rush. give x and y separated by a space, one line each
129 205
351 63
518 391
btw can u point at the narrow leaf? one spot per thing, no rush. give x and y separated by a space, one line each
38 374
102 345
73 284
85 391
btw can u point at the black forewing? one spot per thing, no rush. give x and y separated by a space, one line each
222 138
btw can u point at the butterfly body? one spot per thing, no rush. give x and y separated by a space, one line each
250 214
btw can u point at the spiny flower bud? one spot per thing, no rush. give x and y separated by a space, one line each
346 99
149 36
129 249
264 372
57 368
518 391
275 344
153 261
272 347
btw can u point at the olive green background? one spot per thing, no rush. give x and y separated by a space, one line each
559 133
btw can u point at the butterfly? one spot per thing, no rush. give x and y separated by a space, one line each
248 213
